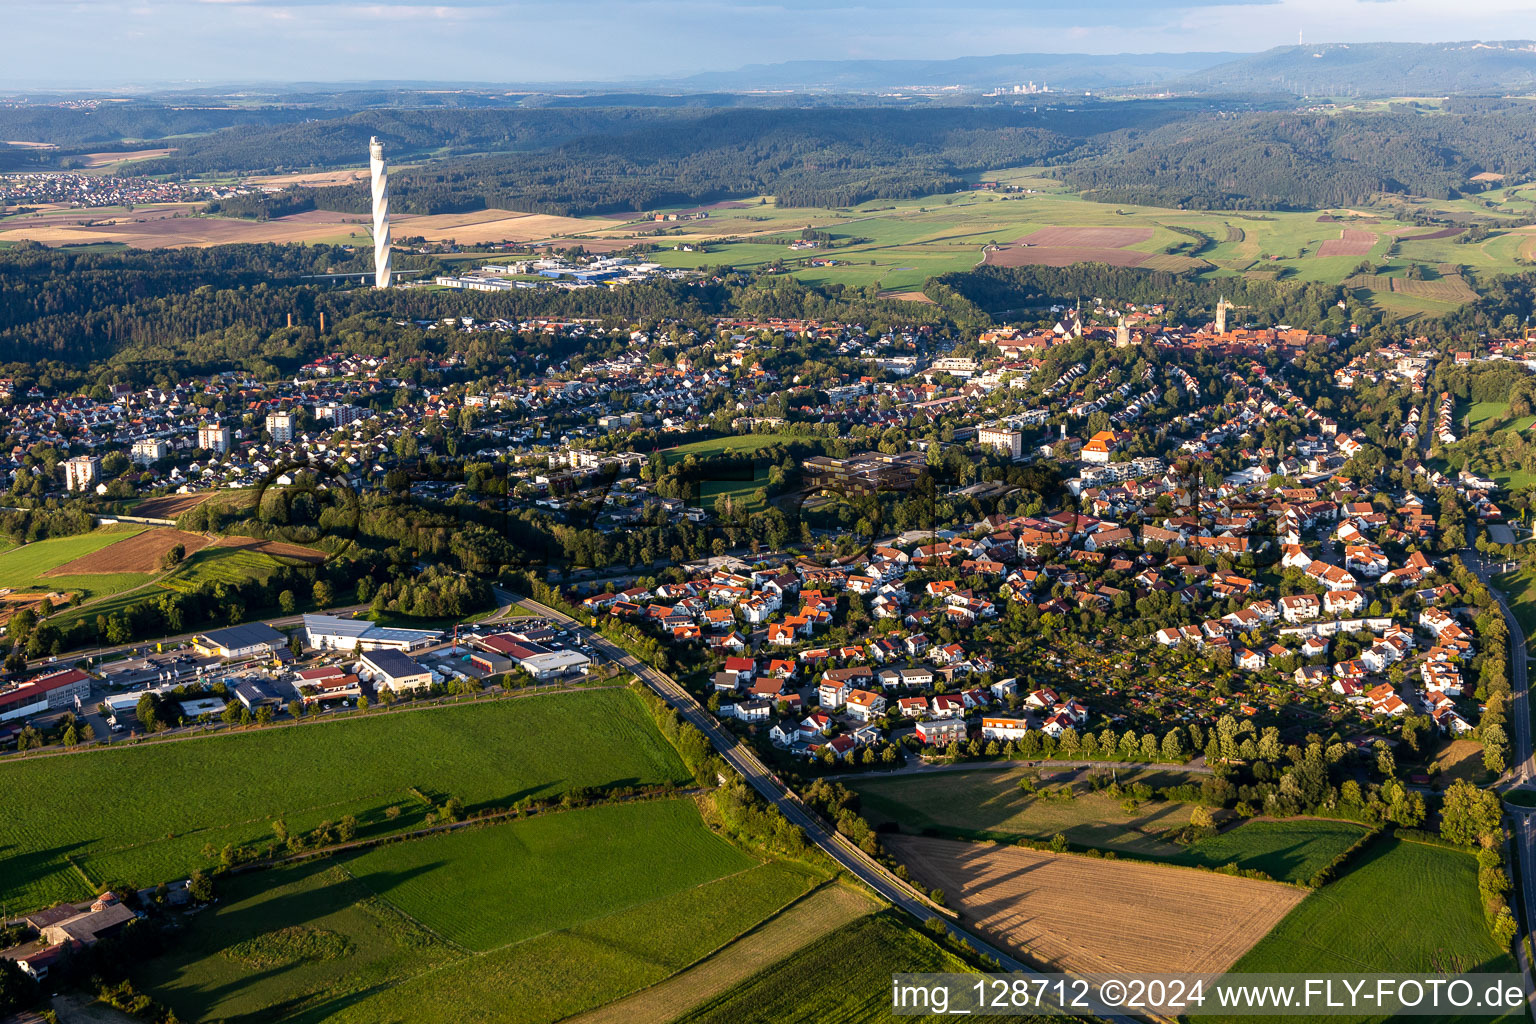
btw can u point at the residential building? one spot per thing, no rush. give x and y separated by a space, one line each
280 425
149 450
81 472
214 437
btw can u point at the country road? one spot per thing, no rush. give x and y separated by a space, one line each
1522 771
750 767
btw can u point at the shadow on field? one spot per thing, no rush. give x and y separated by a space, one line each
250 915
23 870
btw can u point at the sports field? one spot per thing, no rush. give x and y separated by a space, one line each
1402 907
524 922
143 814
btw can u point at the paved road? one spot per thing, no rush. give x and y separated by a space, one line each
750 767
1522 771
70 657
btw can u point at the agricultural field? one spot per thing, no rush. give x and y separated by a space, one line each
985 804
843 978
413 931
896 245
484 888
227 560
1142 918
42 564
988 805
1401 907
154 808
1287 851
820 913
141 553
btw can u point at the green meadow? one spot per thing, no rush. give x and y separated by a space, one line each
23 567
143 814
896 245
524 922
1402 906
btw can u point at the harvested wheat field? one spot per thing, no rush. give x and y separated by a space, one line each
1351 242
1061 256
821 913
1088 238
103 159
1082 914
152 229
275 548
140 553
497 226
169 506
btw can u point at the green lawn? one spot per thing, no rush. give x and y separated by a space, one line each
650 890
988 804
1520 590
1403 907
143 814
741 492
1287 851
22 568
842 978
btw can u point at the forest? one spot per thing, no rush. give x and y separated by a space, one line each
1229 153
1279 161
143 314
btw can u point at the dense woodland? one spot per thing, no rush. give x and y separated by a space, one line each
1307 161
145 316
140 315
1210 153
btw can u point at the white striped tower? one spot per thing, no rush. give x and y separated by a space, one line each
380 172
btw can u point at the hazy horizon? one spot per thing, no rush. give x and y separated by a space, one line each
493 42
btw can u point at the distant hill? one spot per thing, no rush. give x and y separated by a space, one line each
1375 69
1061 71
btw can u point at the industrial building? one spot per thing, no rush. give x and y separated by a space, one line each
334 633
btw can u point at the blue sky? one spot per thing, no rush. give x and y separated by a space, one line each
94 42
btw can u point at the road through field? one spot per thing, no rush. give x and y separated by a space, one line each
746 763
